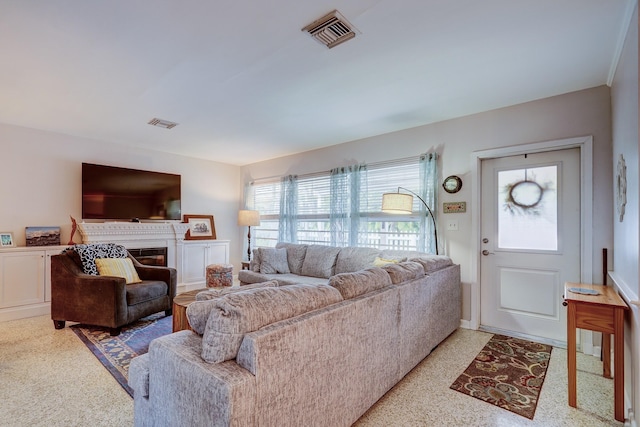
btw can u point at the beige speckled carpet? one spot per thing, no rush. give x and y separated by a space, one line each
48 377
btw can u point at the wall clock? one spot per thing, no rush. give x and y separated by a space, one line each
452 184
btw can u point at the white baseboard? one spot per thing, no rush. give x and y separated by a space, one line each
465 324
21 312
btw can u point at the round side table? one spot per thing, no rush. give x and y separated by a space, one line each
180 304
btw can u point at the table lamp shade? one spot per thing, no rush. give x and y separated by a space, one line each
248 218
398 203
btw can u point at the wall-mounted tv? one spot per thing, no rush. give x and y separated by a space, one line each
114 193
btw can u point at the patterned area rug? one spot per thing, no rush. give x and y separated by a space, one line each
115 353
508 373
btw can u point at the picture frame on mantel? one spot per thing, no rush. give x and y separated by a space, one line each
6 240
201 227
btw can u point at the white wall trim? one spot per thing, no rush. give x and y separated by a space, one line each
585 144
622 36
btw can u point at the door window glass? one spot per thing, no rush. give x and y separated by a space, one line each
528 209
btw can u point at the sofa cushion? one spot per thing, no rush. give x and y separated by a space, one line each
353 259
146 290
236 314
254 264
381 262
295 255
403 254
273 260
89 252
199 310
404 271
320 261
433 262
360 282
118 267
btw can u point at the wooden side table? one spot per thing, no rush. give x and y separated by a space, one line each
245 265
602 313
180 304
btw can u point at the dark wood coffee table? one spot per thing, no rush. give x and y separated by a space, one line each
180 304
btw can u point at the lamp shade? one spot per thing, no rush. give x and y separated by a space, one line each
248 218
397 203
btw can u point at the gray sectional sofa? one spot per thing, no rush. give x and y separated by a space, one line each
288 353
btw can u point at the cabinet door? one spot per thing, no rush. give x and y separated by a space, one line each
219 253
22 277
195 261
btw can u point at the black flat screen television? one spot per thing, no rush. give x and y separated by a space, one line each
114 193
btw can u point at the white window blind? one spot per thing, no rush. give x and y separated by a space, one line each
376 229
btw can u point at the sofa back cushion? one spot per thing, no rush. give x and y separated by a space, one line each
234 315
199 310
360 282
352 259
433 262
320 261
404 271
295 255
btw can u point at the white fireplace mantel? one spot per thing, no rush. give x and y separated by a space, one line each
132 234
188 257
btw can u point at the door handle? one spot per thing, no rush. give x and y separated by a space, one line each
486 253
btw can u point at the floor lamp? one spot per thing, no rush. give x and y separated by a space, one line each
248 218
399 203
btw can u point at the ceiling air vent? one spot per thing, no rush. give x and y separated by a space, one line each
162 123
331 30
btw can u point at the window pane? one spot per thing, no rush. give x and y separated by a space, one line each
528 209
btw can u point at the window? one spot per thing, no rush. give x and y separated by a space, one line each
343 207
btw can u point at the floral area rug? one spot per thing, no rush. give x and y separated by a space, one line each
115 353
508 373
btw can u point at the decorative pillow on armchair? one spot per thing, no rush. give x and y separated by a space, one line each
89 252
118 267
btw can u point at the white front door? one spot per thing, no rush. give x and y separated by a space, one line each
530 231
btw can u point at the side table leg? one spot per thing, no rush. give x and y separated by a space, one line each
606 355
571 353
618 354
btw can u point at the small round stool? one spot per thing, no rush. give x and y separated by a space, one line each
219 275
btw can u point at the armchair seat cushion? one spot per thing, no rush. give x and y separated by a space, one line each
144 291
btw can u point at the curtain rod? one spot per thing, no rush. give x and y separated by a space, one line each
375 165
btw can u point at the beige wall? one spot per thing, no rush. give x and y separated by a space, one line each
626 249
40 181
580 113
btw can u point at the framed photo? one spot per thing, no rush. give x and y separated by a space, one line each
201 227
6 240
42 236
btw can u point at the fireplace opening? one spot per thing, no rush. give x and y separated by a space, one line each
150 256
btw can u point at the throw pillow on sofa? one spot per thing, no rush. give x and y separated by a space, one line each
199 310
320 261
235 315
295 255
273 261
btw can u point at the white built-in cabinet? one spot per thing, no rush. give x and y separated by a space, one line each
197 255
25 281
25 274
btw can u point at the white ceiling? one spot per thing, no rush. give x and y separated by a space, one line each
246 84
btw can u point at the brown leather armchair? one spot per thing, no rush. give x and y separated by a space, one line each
106 300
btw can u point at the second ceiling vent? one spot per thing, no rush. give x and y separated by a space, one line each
331 30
